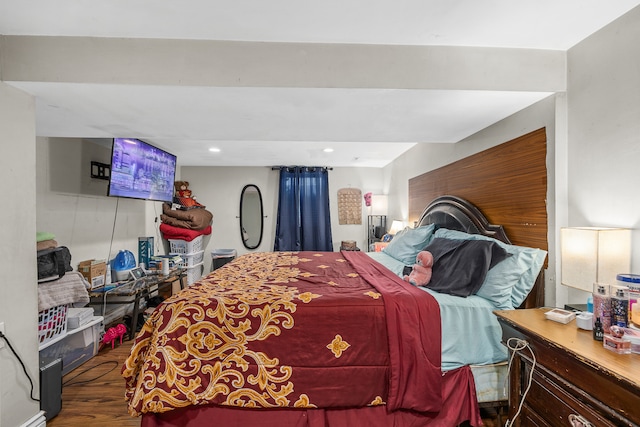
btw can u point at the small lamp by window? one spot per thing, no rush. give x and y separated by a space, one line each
396 226
593 254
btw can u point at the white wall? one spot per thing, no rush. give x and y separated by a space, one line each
219 188
18 280
75 207
604 130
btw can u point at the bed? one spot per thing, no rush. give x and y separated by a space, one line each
333 338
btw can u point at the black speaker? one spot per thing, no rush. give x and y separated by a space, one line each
50 386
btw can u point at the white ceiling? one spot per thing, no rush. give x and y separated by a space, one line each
260 126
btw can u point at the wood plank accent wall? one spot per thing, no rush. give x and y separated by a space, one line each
508 183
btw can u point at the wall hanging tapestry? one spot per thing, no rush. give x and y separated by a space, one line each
349 206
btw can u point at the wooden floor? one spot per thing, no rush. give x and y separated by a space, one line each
100 402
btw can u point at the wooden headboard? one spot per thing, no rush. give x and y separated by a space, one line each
506 183
455 213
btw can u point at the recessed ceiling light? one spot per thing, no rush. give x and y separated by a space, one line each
328 150
214 150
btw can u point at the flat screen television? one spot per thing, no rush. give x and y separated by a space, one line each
141 171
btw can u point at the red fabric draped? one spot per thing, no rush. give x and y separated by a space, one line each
413 330
459 404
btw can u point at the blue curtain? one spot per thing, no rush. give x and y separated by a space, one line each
303 221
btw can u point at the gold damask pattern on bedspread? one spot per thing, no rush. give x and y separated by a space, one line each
267 330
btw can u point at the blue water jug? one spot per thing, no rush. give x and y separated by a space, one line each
124 261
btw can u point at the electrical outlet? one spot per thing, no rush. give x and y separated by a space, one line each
1 330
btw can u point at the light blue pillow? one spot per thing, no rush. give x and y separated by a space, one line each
508 283
406 244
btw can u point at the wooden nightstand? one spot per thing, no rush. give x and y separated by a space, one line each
574 376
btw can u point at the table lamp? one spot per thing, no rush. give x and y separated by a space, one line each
593 254
396 226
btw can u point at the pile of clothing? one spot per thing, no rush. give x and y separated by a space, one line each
58 284
186 224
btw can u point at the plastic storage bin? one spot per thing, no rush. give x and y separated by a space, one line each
77 346
114 311
220 257
194 273
52 323
178 246
190 260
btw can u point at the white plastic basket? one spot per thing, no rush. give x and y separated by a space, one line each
178 246
190 260
194 273
52 323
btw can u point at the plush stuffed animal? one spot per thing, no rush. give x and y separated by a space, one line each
184 196
367 199
421 271
182 189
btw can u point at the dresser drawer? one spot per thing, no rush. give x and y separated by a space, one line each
574 375
554 401
528 417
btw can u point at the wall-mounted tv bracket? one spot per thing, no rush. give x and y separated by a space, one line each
100 170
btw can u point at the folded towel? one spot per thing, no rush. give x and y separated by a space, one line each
178 233
46 244
69 289
44 235
193 219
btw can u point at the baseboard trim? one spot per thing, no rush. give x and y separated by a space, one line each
37 420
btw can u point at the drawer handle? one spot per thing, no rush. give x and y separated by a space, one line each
579 421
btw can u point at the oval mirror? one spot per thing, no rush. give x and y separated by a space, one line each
251 216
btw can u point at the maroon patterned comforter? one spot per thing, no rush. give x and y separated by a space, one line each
290 330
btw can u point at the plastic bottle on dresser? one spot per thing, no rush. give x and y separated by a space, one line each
598 333
632 282
107 278
619 306
602 305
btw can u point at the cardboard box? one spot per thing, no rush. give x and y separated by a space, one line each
94 271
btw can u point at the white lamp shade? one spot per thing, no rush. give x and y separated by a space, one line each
379 204
592 254
396 226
